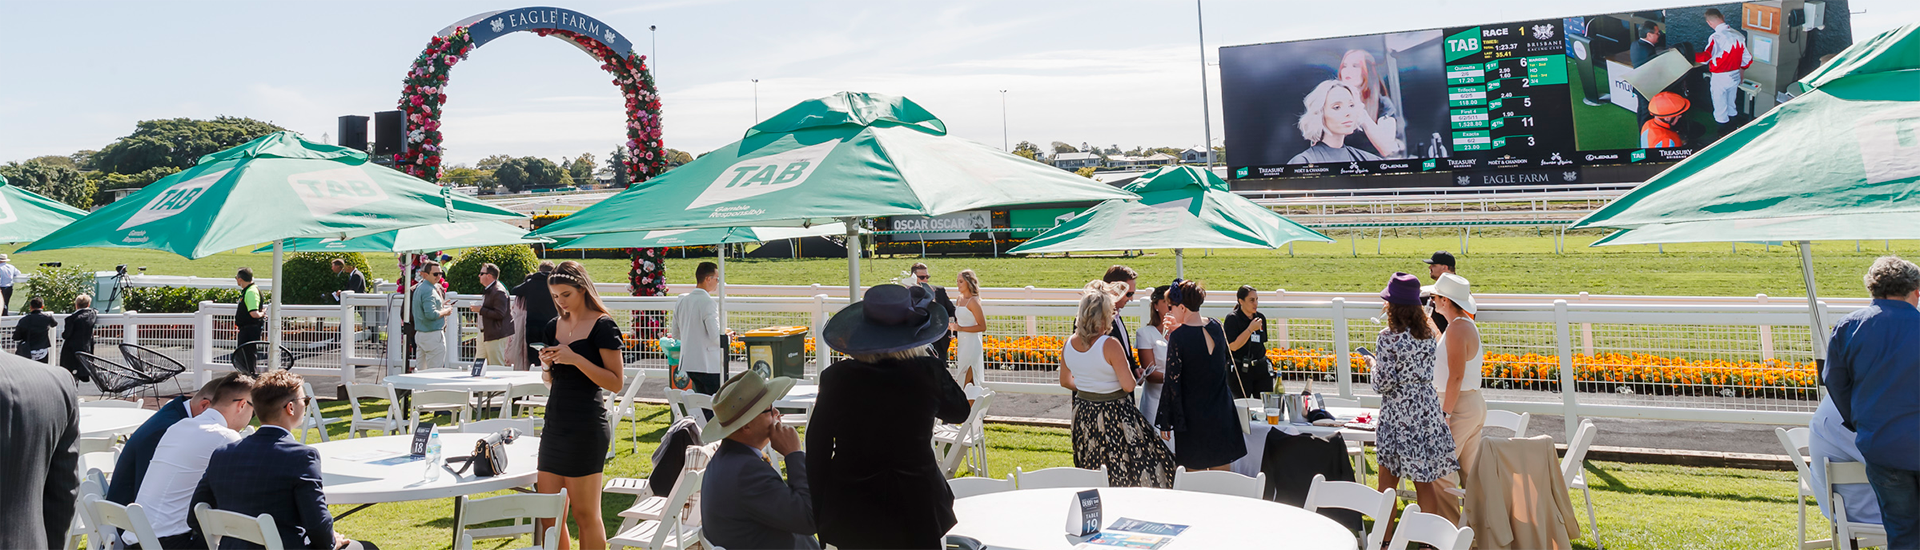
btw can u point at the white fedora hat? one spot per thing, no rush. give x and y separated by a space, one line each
1453 287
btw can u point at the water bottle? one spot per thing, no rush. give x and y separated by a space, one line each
433 456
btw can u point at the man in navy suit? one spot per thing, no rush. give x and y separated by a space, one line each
138 451
271 473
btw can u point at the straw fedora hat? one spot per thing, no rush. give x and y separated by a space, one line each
1453 287
744 397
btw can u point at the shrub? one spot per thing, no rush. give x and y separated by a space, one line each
515 261
310 278
58 286
169 299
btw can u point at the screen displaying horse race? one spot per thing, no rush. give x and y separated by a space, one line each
1518 103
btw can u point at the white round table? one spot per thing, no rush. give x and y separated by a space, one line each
800 397
105 421
1036 519
371 470
459 380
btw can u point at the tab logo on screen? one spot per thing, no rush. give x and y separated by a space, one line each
1638 155
1427 165
1462 44
1240 172
174 200
326 192
761 175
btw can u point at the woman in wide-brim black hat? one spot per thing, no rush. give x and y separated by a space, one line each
876 482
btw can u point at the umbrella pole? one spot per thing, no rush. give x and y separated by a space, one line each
1179 263
1817 329
853 258
723 287
273 307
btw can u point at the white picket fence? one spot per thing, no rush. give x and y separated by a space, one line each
1025 325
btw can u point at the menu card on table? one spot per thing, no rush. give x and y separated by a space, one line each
1083 514
1133 534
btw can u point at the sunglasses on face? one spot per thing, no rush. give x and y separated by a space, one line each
923 277
1129 295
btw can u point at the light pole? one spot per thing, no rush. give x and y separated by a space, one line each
1003 122
1206 117
653 37
756 101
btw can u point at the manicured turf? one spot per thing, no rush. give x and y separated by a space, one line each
1640 506
1509 261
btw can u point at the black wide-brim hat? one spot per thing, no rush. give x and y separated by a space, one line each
889 318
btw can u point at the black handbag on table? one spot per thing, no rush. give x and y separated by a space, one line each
490 453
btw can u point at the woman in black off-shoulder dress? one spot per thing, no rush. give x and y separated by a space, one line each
581 360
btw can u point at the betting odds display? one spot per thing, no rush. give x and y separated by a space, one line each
1521 103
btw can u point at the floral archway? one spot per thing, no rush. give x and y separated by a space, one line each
426 81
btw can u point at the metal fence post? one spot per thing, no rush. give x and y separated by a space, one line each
1564 344
1342 360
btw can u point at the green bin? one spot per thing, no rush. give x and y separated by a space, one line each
777 351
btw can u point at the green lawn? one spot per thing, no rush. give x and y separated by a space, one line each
1640 506
1506 261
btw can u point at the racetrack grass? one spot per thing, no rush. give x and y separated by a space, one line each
1640 506
1508 261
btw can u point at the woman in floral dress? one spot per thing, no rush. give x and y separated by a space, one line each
1413 439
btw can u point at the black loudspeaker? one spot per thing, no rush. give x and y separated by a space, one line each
353 132
389 133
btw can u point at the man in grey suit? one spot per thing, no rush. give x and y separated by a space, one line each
743 500
39 481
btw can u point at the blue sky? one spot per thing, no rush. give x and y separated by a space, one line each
79 74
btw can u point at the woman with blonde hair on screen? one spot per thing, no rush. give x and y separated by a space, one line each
1333 113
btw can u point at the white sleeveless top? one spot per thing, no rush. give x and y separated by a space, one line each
1091 373
1469 382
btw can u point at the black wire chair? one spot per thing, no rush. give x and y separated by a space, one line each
157 365
113 379
248 357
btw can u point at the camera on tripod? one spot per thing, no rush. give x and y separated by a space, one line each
49 264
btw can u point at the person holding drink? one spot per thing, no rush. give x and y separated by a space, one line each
1247 328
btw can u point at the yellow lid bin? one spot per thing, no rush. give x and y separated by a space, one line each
777 351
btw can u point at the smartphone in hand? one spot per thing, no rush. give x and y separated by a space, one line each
1362 350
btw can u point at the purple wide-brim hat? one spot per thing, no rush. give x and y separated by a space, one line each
1403 289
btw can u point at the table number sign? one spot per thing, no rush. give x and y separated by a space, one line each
1083 514
479 368
421 434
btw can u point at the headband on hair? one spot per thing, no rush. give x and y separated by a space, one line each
1173 292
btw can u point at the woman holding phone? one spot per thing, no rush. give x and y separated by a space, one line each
1413 439
580 360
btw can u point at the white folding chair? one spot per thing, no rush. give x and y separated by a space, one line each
955 444
676 405
1348 495
219 524
491 425
1516 423
964 487
650 506
84 523
108 517
1416 526
1050 478
1219 482
698 403
1573 469
1245 406
109 403
668 531
98 453
622 408
316 421
1861 535
435 401
1795 441
359 423
519 398
528 506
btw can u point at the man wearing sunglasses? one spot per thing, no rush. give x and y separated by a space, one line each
925 280
430 311
1123 274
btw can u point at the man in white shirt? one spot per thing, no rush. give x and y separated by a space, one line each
181 460
696 323
8 274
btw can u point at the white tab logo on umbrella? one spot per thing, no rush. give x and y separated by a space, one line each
6 211
1890 145
451 230
174 200
326 192
761 175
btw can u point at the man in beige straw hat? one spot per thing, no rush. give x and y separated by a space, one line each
743 500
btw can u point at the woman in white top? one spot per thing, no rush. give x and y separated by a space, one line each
970 354
1107 430
1456 367
1152 344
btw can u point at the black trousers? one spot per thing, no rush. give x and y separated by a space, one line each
706 383
247 334
6 300
1251 382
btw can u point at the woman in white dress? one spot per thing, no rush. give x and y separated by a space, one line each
1152 344
970 354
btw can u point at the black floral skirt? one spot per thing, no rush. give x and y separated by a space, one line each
1115 435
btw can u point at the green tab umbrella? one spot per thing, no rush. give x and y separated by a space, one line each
26 216
272 188
837 158
439 236
1179 207
1839 162
701 237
